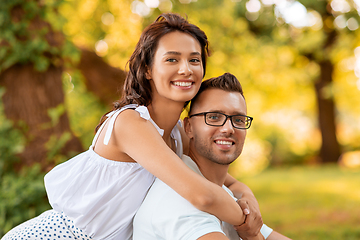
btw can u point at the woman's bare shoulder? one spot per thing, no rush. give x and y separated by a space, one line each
129 118
127 126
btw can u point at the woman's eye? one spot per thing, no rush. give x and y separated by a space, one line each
171 60
195 60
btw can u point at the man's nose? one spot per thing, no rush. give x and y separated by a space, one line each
227 127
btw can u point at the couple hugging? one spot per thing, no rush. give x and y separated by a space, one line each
97 194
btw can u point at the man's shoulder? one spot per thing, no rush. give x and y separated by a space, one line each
164 214
162 198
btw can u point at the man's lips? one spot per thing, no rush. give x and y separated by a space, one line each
225 142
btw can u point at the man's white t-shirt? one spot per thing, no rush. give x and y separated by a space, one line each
164 214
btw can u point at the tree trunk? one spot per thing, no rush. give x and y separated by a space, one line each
29 95
101 79
330 148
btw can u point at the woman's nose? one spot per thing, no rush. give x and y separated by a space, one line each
185 68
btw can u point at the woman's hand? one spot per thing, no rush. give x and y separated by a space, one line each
253 221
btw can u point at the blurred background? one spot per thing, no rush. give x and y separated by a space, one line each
62 64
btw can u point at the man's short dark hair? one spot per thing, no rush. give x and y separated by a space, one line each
227 82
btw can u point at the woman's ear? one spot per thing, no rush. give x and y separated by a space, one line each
148 73
188 127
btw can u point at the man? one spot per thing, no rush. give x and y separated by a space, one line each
216 127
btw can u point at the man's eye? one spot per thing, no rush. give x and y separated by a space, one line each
213 117
238 120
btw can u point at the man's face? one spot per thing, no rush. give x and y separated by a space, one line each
223 144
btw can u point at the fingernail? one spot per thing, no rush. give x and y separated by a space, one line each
246 211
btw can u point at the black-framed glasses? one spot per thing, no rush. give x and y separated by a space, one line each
219 119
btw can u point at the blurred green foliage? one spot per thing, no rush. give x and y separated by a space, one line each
25 30
22 194
83 107
11 141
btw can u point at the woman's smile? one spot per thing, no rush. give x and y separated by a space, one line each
182 83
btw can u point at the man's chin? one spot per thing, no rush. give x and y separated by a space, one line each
225 160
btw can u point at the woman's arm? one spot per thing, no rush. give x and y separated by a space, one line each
139 139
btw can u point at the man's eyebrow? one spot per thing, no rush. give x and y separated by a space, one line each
233 113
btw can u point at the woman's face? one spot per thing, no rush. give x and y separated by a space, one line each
177 68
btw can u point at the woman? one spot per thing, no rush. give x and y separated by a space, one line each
96 194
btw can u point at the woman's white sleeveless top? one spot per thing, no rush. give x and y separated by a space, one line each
101 196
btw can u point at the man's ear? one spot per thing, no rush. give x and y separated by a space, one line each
188 127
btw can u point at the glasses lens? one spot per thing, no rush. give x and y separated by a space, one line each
241 121
216 119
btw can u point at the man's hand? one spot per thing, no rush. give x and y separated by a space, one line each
253 221
249 205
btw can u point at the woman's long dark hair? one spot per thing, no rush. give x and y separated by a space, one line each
137 88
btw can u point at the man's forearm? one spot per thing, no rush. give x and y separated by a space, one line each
245 237
239 189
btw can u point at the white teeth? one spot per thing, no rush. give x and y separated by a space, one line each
224 142
183 84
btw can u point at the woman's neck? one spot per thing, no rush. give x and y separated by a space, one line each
165 114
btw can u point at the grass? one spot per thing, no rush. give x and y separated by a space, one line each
309 203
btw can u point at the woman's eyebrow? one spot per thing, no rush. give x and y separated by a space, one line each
179 53
172 53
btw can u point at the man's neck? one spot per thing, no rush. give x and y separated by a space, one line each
213 172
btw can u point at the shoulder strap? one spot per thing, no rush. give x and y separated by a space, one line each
98 132
144 113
